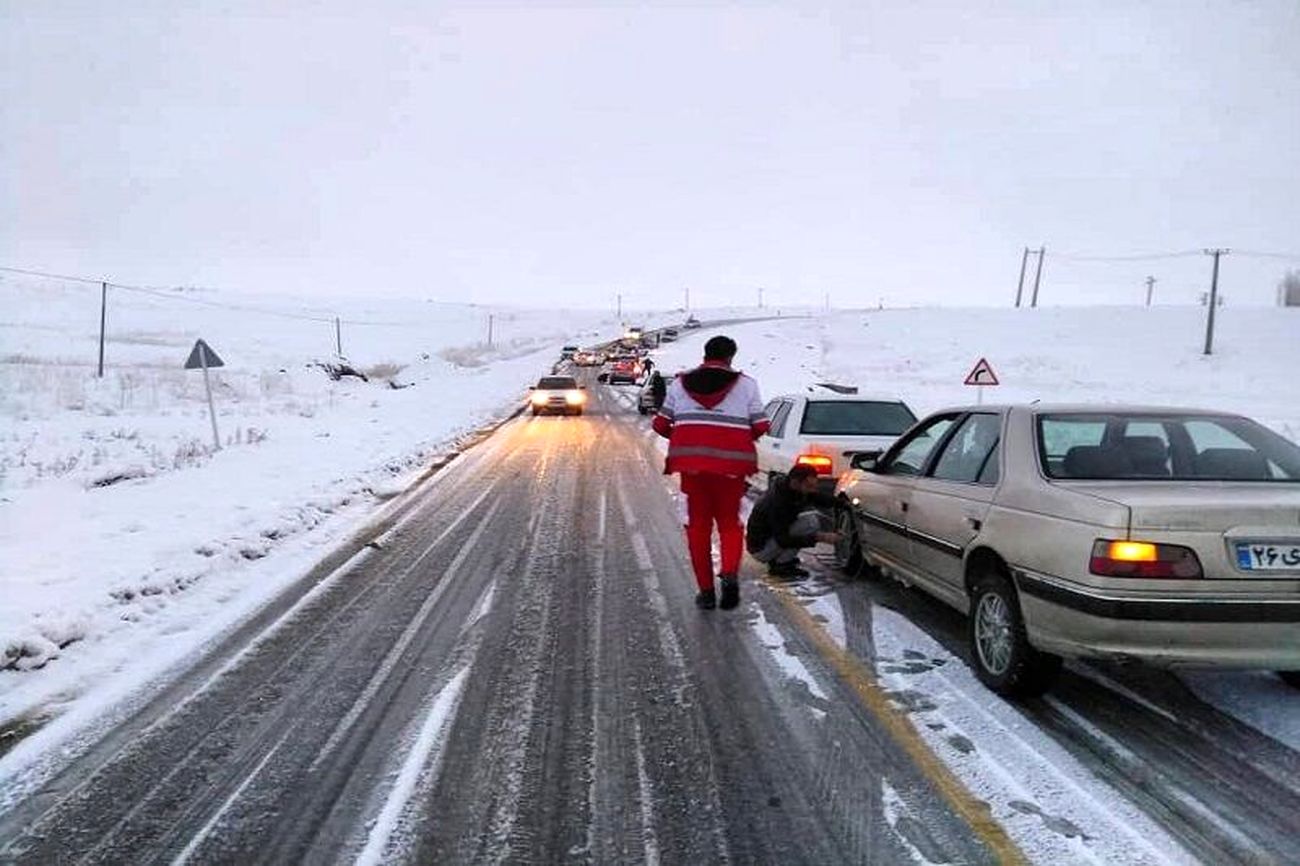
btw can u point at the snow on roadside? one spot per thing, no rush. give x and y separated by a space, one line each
1051 805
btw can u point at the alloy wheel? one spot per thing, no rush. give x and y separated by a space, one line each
993 637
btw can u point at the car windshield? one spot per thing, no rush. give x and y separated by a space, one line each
558 383
856 418
1166 447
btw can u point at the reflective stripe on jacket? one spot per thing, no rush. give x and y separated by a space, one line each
712 432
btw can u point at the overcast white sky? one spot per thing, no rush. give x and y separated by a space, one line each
541 153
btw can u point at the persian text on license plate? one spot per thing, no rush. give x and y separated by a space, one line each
1256 556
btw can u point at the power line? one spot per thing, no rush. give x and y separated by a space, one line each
171 295
1140 257
1295 257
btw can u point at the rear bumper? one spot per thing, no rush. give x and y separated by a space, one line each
1224 631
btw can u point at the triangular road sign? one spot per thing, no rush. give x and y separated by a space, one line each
982 374
208 358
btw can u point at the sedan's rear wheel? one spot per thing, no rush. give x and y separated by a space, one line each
1003 657
1290 677
848 550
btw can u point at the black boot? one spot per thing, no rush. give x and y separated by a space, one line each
791 570
706 600
730 591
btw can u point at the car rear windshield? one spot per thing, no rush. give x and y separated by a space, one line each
557 383
856 418
1166 447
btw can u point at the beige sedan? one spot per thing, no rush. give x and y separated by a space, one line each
1168 536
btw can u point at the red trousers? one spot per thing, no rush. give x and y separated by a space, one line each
713 499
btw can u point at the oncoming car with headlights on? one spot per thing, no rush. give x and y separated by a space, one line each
558 395
1167 536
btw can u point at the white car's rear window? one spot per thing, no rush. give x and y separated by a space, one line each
856 418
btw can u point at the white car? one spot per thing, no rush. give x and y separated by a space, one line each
827 430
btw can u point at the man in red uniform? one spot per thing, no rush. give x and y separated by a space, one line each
711 417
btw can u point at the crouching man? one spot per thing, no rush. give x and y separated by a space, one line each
786 520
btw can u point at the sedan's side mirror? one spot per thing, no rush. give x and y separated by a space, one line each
866 460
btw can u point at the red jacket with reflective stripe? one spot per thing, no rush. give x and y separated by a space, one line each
711 417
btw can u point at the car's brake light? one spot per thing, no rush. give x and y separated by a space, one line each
1143 559
820 463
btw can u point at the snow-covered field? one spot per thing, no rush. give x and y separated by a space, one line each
126 536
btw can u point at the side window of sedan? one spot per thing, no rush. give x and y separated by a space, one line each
970 451
778 416
909 457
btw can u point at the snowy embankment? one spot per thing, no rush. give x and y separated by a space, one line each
126 535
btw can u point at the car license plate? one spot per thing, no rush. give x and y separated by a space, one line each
1263 556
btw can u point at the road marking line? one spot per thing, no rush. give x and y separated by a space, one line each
974 812
604 511
206 830
629 516
426 752
646 797
642 552
381 675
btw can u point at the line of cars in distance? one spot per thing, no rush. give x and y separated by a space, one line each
1166 536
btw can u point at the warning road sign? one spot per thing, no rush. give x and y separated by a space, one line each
982 374
202 357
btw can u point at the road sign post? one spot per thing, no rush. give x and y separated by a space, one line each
981 376
202 357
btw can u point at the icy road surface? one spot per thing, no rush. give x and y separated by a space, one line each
517 673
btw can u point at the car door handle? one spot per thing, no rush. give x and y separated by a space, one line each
904 506
975 523
777 446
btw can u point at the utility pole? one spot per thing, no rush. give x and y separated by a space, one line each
338 336
760 298
1151 286
1214 299
688 299
103 318
1038 275
1020 285
827 302
490 317
620 306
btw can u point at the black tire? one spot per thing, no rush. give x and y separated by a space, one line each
536 413
643 410
848 552
1291 678
1024 671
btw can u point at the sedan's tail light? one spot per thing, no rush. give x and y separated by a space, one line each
820 463
1143 559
